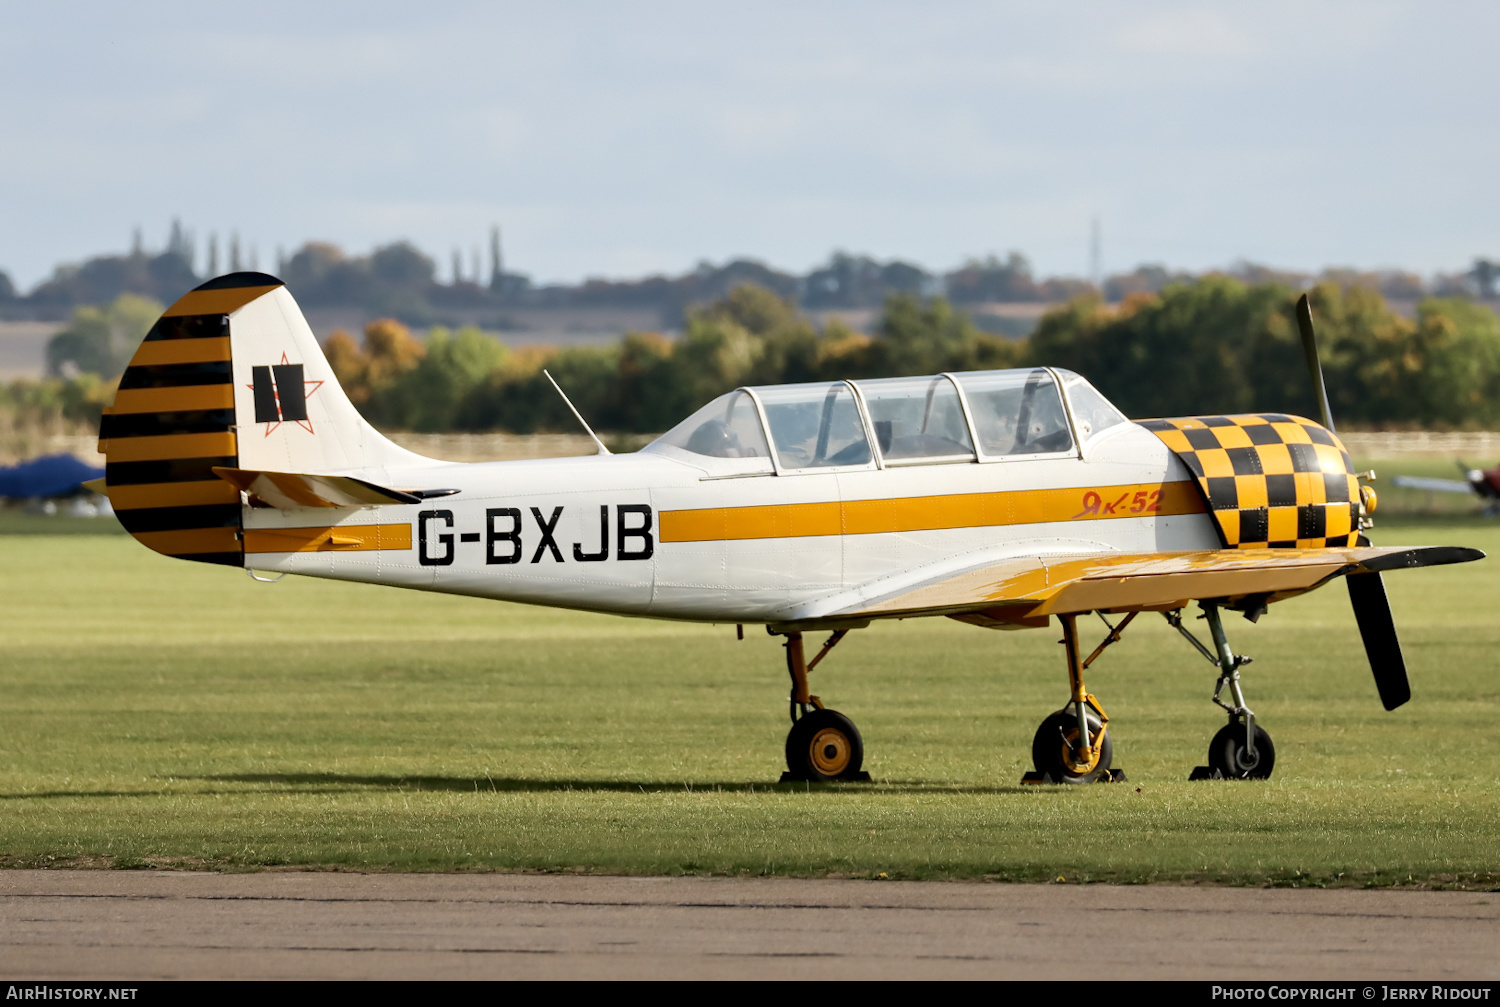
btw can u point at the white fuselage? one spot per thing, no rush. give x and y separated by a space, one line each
658 534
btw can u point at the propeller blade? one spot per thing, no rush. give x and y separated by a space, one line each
1314 367
1372 610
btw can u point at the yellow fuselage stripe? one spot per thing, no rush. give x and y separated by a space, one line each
339 538
931 513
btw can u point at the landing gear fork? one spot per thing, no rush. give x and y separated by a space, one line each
1229 674
803 702
1086 752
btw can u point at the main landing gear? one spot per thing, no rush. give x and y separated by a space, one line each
823 745
1242 750
1064 753
1061 751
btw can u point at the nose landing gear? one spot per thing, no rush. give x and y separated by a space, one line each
1241 750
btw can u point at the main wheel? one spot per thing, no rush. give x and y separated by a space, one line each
824 745
1227 753
1052 749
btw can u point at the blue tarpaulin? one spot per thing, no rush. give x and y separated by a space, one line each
48 476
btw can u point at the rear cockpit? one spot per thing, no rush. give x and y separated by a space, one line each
968 417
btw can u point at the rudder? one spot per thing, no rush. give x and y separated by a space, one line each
232 377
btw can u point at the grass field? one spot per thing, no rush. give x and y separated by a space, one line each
157 712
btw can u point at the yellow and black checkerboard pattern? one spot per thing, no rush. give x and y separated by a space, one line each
1271 480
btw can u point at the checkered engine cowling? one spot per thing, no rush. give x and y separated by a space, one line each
1271 481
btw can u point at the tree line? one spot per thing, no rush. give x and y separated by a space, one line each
400 281
466 380
1210 345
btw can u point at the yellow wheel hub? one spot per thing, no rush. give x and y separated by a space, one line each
830 751
1070 753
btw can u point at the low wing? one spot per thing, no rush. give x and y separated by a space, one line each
1026 591
288 490
1435 485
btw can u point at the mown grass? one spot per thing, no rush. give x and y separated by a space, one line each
162 713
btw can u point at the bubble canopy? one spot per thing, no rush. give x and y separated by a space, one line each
974 416
918 418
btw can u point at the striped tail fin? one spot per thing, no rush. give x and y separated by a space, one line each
230 377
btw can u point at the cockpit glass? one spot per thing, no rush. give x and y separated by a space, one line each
917 418
728 427
815 425
1092 412
1017 412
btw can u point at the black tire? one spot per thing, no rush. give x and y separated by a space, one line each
1226 753
1051 745
823 746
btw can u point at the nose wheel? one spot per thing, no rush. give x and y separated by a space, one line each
1232 758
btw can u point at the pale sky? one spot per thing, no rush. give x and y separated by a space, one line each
615 139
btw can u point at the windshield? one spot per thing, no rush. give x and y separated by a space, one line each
1017 412
728 427
917 418
1092 412
815 425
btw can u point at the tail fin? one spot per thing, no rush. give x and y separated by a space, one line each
231 376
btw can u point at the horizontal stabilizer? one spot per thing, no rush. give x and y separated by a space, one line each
290 490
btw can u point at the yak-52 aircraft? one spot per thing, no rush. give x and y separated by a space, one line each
999 498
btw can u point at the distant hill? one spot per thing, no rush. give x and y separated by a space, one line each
400 281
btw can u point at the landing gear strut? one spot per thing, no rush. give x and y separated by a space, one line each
823 745
1062 751
1241 750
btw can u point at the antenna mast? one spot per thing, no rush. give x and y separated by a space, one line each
579 416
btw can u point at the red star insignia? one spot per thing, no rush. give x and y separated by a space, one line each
308 388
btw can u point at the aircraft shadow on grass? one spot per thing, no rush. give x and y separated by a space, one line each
343 783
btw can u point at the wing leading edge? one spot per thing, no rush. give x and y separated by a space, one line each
1025 591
